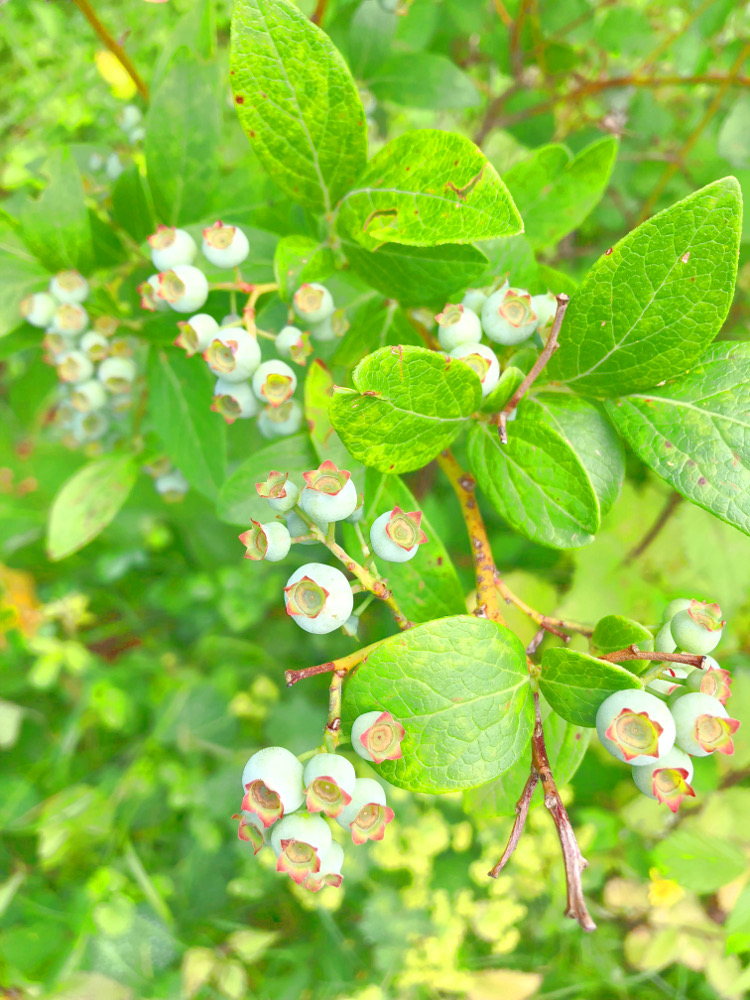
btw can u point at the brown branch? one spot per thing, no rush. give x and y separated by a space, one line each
113 45
654 531
343 665
549 349
320 8
634 653
546 622
464 486
502 13
522 811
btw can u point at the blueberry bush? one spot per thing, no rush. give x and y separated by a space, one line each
374 479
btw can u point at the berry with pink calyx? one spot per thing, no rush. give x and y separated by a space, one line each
274 382
482 361
292 343
269 541
224 246
318 598
508 316
69 286
313 303
703 725
234 400
329 783
251 829
668 779
280 421
149 293
698 628
329 873
635 727
70 319
367 815
183 287
196 333
272 780
396 535
300 843
713 681
377 736
329 493
457 325
171 247
279 491
232 355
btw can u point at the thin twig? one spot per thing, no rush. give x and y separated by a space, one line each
544 621
654 531
343 664
634 653
502 13
114 46
320 8
522 811
332 731
549 349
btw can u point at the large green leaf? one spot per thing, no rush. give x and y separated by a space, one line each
239 502
428 187
460 687
179 403
324 439
575 684
613 632
87 503
183 133
699 862
130 205
417 276
584 426
298 259
652 304
408 405
56 227
555 191
536 482
297 102
424 80
695 432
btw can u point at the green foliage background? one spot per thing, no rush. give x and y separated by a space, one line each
140 673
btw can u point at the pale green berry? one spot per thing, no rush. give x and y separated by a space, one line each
668 779
38 309
508 316
172 486
635 727
329 493
270 541
280 421
225 246
664 641
313 303
698 628
300 843
274 382
279 491
329 781
272 780
183 287
377 736
234 400
329 873
396 535
482 361
171 247
457 325
233 355
678 604
69 286
703 725
196 333
318 598
367 815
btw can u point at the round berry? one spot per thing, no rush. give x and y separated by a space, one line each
377 736
270 541
171 247
300 842
70 319
367 815
329 782
458 325
251 830
94 346
234 400
233 355
89 426
75 367
508 316
482 361
703 725
184 288
38 309
117 374
279 491
272 779
280 421
396 535
129 118
698 629
329 493
668 779
713 681
678 604
224 246
292 343
474 299
635 727
149 293
329 873
88 396
274 382
664 641
545 307
196 333
313 303
318 598
171 486
70 287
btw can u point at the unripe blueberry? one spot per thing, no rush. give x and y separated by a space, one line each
196 333
698 629
183 287
89 426
313 303
396 535
678 604
300 843
482 361
106 325
75 367
474 299
714 681
667 685
279 491
367 815
667 780
270 541
298 528
329 782
136 135
38 309
251 829
358 513
113 166
117 374
94 346
703 725
280 421
70 287
88 396
121 347
545 307
57 344
234 400
274 382
508 316
272 779
171 247
329 872
664 641
70 319
129 118
377 736
224 246
318 598
329 329
292 343
233 355
329 493
635 726
171 486
457 325
149 293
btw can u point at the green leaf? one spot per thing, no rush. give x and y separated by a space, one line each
196 29
424 80
297 102
183 133
239 502
536 482
179 403
87 503
586 429
410 403
615 632
555 191
733 142
575 684
377 323
650 306
510 380
460 688
428 187
427 586
511 258
417 276
55 227
699 862
298 259
324 439
694 432
566 747
371 32
737 926
130 205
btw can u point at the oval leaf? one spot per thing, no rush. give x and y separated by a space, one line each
575 684
298 259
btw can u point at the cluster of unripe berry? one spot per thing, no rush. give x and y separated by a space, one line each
319 597
285 802
685 716
96 368
507 316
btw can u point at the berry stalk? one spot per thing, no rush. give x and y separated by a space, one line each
114 46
